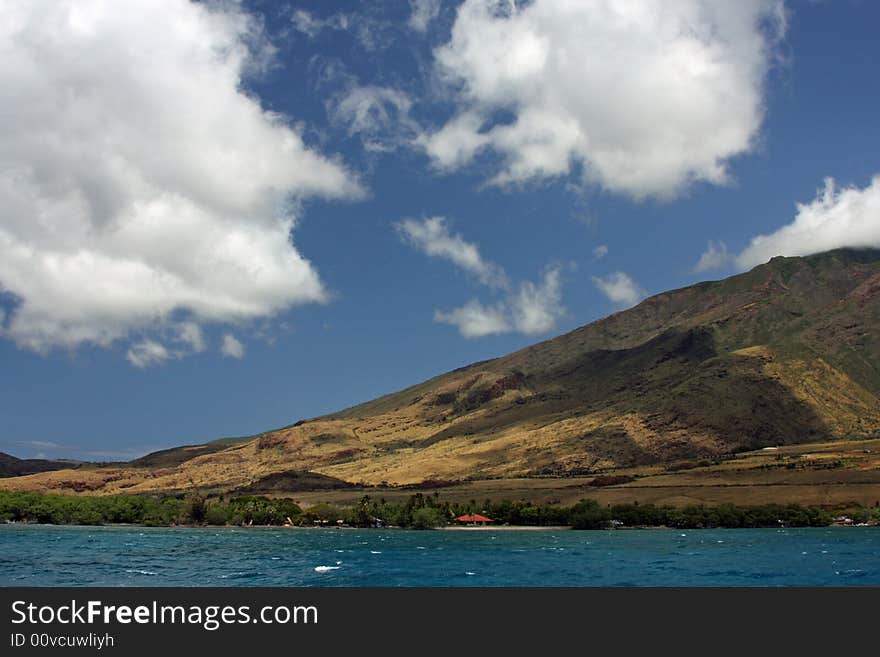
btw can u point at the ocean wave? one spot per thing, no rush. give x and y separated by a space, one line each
239 575
324 569
140 572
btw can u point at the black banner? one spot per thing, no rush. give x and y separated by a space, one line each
222 621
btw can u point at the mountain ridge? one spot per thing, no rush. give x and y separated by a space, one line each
786 353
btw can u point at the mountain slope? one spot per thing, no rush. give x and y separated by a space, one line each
15 467
786 353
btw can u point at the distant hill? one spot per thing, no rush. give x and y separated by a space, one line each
787 353
167 458
14 467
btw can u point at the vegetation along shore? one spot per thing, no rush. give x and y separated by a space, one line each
419 511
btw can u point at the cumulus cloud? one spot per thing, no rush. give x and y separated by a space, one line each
537 307
423 13
600 252
533 309
190 334
432 237
530 308
474 320
456 143
643 97
620 289
837 218
141 189
714 257
231 347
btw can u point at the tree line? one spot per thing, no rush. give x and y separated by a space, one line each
419 511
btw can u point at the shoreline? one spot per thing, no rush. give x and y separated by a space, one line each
504 528
448 528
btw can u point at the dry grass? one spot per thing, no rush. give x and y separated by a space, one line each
692 374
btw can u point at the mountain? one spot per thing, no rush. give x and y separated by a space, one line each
787 353
174 456
14 467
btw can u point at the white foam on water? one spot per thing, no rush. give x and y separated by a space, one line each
238 574
375 552
468 572
324 569
140 572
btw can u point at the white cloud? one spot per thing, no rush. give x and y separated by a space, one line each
191 335
231 347
148 353
533 309
474 320
432 237
40 444
138 181
646 96
370 33
714 257
600 252
837 218
423 13
537 307
379 115
620 289
456 143
310 25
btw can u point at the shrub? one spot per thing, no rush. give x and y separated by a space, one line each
587 514
217 514
194 509
427 518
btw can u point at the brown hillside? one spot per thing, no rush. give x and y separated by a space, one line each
785 354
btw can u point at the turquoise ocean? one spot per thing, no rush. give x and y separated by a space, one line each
39 555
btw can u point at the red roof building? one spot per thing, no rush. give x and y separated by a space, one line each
473 519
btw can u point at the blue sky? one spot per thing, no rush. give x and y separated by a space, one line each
219 219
